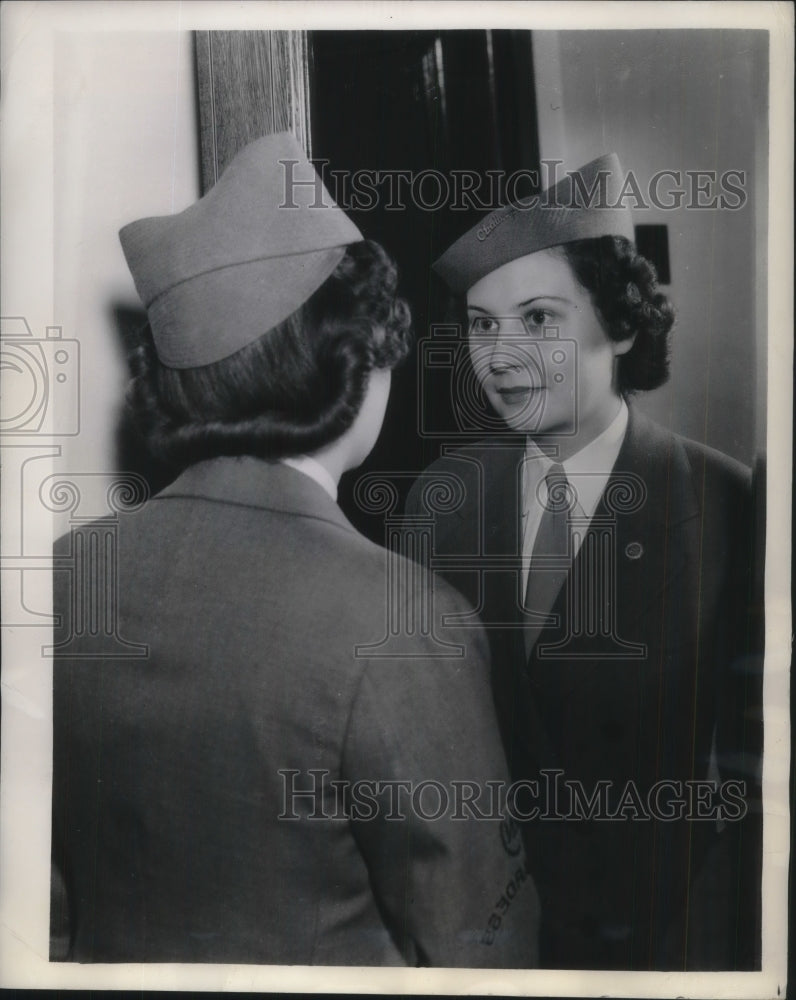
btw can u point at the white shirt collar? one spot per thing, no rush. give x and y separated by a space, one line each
310 467
588 469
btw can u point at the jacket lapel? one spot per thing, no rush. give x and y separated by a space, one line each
503 536
641 530
650 497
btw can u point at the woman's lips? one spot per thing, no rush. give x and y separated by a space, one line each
517 393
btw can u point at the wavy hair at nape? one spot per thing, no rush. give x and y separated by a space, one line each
295 389
624 289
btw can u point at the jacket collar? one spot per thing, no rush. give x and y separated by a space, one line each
649 496
650 460
252 482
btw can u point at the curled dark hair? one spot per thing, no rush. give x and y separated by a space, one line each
292 391
624 289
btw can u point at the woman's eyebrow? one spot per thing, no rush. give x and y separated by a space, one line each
520 305
554 298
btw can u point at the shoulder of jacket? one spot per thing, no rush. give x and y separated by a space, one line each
714 465
703 460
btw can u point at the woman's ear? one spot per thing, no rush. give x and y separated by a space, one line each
623 346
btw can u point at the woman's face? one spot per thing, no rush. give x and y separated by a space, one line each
540 350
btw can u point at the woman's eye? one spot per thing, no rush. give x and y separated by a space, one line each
538 317
484 325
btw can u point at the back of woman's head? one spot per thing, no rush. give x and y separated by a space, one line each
295 389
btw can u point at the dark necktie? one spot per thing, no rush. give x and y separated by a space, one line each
551 557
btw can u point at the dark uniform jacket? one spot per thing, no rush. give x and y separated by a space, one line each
179 832
648 680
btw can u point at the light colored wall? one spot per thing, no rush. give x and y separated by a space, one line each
125 142
681 100
97 130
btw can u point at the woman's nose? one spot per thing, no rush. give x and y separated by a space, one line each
508 346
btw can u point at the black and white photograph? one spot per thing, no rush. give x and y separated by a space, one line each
396 441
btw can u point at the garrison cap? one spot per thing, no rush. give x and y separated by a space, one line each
584 204
219 275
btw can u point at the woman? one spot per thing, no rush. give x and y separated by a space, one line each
236 795
616 594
